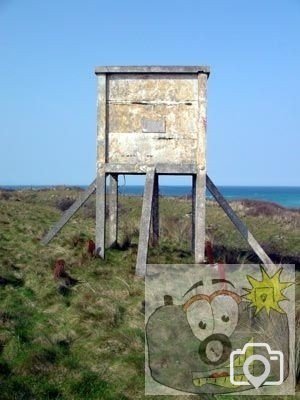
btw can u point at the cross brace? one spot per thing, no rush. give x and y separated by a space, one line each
147 214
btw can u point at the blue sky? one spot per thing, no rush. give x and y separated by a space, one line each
49 50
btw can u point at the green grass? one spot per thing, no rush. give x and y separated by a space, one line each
88 342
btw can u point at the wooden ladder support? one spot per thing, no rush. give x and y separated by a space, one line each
241 227
145 224
68 214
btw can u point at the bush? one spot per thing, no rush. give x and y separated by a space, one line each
5 195
89 209
64 203
256 208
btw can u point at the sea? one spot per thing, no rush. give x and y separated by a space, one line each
286 196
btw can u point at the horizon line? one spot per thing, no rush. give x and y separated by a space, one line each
142 185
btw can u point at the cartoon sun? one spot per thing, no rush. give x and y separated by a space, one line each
267 293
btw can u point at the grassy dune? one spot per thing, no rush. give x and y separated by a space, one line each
87 341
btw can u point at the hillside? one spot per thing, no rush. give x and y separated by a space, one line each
87 341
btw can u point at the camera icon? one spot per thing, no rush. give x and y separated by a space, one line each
254 364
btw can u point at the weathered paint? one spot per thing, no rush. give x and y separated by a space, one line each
100 211
202 104
145 224
153 69
101 120
161 169
152 118
199 187
155 212
151 148
199 181
113 211
176 119
101 159
152 88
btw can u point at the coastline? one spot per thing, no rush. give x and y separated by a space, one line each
281 196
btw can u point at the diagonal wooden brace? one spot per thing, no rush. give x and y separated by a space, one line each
241 227
67 215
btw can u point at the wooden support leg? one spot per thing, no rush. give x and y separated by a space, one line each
100 212
198 216
193 211
67 215
113 211
145 224
155 213
241 227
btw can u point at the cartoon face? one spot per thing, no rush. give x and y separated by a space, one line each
212 314
189 344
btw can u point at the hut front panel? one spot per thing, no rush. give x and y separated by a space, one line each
152 118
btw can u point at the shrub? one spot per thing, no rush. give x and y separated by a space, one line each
89 210
256 208
5 195
64 203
